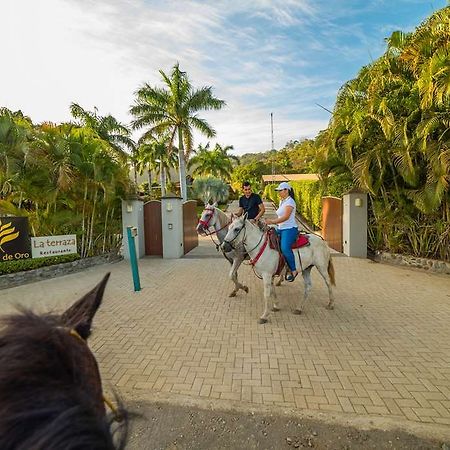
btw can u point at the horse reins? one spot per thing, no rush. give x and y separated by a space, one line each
253 261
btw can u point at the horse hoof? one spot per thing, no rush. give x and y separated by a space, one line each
298 312
329 307
261 321
233 294
275 309
245 288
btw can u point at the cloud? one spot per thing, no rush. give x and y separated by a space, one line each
261 56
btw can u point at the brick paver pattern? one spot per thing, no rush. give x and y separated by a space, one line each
384 350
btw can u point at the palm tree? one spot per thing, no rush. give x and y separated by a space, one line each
216 162
15 137
153 155
107 128
390 132
173 110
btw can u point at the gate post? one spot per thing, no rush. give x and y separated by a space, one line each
133 216
172 226
354 223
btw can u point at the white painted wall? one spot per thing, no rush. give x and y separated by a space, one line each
133 215
354 224
172 227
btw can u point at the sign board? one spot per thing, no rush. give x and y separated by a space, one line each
14 238
53 245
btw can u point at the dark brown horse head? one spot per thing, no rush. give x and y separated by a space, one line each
50 388
80 315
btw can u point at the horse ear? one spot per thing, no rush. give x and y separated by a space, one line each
80 315
215 204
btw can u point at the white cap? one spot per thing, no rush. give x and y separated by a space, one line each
282 186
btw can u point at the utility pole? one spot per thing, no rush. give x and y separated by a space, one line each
271 129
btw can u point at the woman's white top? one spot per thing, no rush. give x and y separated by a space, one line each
281 211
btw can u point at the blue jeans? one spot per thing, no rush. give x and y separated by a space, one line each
288 237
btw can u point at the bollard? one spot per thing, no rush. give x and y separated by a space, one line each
131 233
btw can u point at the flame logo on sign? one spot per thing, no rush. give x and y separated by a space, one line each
7 234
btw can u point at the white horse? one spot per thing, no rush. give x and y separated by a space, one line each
213 217
265 261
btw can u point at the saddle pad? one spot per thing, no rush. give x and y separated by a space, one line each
301 241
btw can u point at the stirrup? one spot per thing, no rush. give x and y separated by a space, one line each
290 277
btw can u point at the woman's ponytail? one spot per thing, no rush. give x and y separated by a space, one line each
291 193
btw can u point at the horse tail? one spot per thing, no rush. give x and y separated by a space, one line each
331 272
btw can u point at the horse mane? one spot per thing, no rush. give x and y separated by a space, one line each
44 404
223 218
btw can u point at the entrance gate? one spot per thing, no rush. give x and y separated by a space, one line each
332 222
190 220
153 228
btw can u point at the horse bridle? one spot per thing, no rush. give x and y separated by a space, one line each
205 223
117 416
206 226
243 240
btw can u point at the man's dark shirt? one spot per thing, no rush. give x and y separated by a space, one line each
250 205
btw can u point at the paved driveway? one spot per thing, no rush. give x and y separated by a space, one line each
383 354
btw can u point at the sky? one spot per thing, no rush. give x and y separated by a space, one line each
260 56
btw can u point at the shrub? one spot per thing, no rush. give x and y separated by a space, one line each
210 189
34 263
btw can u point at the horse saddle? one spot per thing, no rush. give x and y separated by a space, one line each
274 240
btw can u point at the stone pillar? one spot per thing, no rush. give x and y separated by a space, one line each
354 224
133 216
172 226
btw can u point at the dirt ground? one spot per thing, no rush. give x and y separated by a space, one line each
173 427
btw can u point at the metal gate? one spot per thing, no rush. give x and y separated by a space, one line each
153 228
332 222
190 220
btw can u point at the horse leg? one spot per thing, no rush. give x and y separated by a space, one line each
307 287
237 261
323 270
267 280
280 278
274 296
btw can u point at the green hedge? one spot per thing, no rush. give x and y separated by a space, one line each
308 196
30 264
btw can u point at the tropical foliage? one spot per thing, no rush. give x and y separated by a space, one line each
217 162
173 111
390 134
308 196
210 189
154 155
294 157
67 178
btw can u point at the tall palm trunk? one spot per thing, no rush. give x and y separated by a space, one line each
135 173
182 166
104 231
83 220
91 231
149 175
162 173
